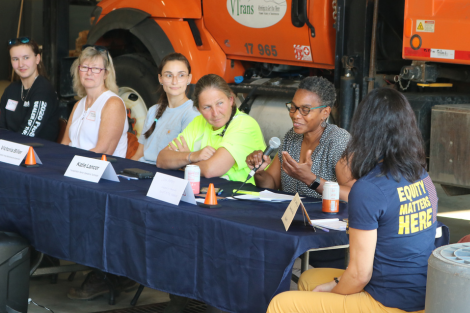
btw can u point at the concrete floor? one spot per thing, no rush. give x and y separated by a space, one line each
54 296
453 211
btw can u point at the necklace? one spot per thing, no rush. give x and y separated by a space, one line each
24 98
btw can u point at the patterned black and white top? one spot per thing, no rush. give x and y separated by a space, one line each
328 152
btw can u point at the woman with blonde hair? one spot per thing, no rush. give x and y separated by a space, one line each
98 121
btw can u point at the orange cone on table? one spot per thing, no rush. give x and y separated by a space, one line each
103 158
30 158
211 198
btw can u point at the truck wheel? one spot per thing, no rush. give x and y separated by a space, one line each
138 83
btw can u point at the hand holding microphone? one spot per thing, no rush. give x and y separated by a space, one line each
253 160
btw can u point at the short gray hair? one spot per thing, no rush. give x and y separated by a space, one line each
322 87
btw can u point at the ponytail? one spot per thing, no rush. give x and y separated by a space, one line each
163 101
234 111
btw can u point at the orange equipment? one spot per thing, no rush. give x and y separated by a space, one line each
437 31
229 31
103 158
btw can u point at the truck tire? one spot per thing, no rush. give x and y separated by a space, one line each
137 78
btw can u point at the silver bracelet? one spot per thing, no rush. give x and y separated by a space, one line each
189 157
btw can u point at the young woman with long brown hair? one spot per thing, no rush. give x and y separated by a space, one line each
29 105
173 112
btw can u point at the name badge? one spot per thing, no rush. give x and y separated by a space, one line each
14 153
91 116
91 170
171 189
11 105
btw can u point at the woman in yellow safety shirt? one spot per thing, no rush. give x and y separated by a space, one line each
218 140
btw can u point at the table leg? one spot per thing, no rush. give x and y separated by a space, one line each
305 259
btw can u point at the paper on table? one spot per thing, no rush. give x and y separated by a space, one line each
271 196
265 196
330 223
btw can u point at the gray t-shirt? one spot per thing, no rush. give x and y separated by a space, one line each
169 125
333 142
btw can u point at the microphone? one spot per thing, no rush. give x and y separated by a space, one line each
274 143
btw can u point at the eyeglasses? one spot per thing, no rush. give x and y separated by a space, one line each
303 110
98 48
94 70
16 40
168 77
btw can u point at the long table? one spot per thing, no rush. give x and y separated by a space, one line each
235 258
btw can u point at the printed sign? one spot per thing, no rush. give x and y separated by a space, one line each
257 13
443 54
302 53
91 170
171 189
14 153
425 26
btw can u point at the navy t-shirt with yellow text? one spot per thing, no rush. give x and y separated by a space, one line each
404 214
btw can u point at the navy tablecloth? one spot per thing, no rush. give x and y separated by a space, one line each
235 258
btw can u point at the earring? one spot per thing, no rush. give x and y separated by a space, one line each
323 123
161 84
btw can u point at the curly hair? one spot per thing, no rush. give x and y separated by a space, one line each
90 53
322 87
384 129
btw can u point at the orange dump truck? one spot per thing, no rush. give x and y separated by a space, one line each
420 47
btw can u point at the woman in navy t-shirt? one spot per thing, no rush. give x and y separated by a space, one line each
392 219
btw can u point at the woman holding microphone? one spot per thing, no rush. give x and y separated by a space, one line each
311 151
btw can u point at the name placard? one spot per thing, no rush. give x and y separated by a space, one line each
14 153
171 189
289 214
91 170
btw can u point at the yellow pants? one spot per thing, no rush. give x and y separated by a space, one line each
306 301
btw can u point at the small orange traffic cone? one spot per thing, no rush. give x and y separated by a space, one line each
30 159
211 199
103 158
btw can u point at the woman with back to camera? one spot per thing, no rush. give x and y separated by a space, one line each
98 121
218 140
29 106
173 112
311 151
392 219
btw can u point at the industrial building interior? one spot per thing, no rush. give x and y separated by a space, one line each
363 47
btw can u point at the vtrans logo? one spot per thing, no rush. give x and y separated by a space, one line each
257 13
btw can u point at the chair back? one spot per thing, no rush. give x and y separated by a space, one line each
132 145
62 127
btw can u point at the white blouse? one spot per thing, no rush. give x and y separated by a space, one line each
85 125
